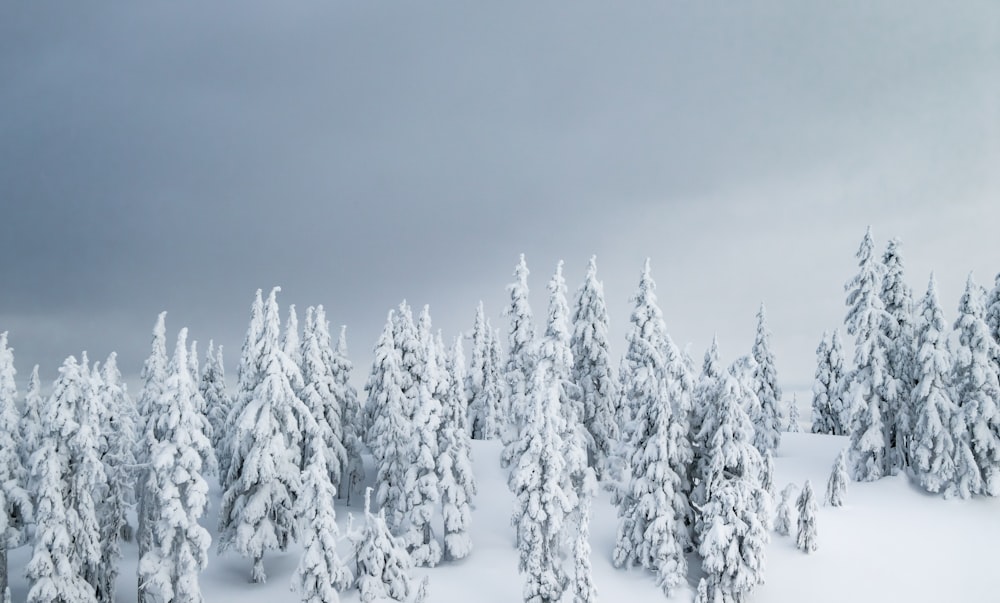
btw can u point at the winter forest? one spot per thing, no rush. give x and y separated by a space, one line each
661 464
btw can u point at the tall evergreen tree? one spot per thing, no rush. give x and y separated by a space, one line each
15 502
805 538
703 402
520 361
932 444
290 337
248 375
869 380
212 387
193 366
897 333
767 426
829 408
483 382
30 424
458 484
977 393
264 481
319 394
351 414
175 489
592 368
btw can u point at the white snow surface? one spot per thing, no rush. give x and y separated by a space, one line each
890 542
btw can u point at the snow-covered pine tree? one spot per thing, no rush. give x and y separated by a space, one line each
193 366
264 481
540 502
583 587
932 452
290 337
117 425
212 387
319 394
767 425
351 414
805 538
321 574
703 403
829 409
733 524
175 490
868 382
30 425
783 515
248 375
977 393
767 474
15 502
519 371
50 576
458 484
383 564
421 476
592 368
897 333
836 486
484 383
792 425
389 430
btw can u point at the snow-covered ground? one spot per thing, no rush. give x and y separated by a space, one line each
891 542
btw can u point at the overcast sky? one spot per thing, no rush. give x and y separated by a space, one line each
177 156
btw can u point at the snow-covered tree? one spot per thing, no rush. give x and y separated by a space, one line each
897 333
767 425
15 502
51 576
830 410
484 384
932 445
117 425
193 366
458 484
290 337
805 538
592 368
767 475
264 481
792 425
703 402
836 486
248 375
520 361
977 393
212 387
175 490
30 424
541 502
383 564
351 414
389 430
321 574
583 588
870 378
319 394
783 515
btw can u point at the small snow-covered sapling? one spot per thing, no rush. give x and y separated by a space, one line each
806 537
783 519
836 487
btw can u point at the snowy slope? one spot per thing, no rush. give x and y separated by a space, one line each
891 542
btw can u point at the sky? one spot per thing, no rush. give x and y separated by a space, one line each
177 156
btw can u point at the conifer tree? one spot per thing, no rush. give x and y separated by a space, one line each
319 394
829 409
15 502
351 414
703 402
897 332
175 489
264 482
30 424
793 415
977 393
321 574
592 368
836 486
767 425
584 590
212 387
193 366
805 538
458 484
870 378
383 564
485 382
519 372
290 337
783 516
50 575
932 444
248 375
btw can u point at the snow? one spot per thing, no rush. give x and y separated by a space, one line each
890 542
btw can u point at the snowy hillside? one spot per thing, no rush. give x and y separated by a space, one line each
891 542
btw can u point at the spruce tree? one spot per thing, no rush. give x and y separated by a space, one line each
193 366
458 484
583 587
30 424
15 502
836 486
175 489
290 337
264 481
805 538
383 564
519 371
767 425
319 394
321 574
868 382
977 393
351 414
476 379
897 333
212 387
783 515
932 443
248 375
704 401
793 415
830 410
592 368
